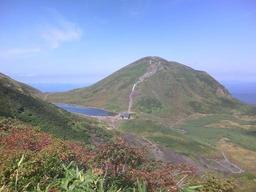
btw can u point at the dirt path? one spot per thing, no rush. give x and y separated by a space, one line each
152 69
158 152
223 165
202 164
229 165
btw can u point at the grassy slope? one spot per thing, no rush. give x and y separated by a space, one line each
182 91
166 136
31 159
19 101
173 92
200 139
110 93
199 130
203 136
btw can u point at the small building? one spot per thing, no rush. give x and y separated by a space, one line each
125 115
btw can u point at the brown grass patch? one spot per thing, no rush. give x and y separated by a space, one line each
243 157
227 124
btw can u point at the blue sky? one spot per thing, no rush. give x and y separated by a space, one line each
80 42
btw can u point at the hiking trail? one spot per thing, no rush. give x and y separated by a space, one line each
151 70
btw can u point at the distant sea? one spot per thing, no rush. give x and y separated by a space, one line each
56 87
245 92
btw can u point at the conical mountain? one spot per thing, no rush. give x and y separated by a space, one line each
155 86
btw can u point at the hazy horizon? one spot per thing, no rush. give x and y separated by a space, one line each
244 91
57 46
63 42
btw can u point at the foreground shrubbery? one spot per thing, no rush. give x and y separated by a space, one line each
35 161
20 177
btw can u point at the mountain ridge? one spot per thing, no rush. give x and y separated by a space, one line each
174 89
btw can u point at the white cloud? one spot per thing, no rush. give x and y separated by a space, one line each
55 30
62 31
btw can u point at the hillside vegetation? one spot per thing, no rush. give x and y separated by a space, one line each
110 93
174 91
22 102
35 161
175 106
182 109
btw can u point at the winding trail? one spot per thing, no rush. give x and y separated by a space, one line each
224 165
152 69
229 165
159 152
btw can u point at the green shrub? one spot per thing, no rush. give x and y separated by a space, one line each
80 181
25 172
215 184
48 173
149 105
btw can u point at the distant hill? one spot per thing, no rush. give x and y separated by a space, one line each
20 101
22 87
153 85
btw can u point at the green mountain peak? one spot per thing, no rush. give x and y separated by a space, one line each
153 85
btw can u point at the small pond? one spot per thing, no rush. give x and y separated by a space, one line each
89 111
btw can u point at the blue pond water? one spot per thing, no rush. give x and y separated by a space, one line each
90 111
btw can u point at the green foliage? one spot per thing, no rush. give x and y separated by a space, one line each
142 187
110 93
149 104
198 130
80 181
116 159
193 188
120 154
173 92
62 178
39 170
246 182
197 106
19 102
109 168
214 184
251 111
166 136
23 173
220 106
76 180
